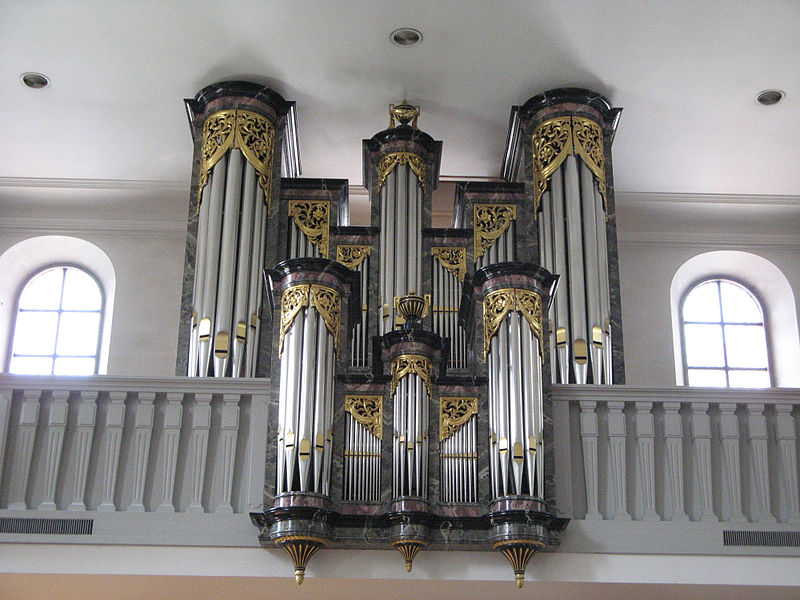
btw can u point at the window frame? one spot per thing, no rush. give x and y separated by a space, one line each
764 324
100 326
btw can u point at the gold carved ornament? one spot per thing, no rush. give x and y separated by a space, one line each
252 133
328 303
452 259
326 300
554 140
412 363
490 221
497 304
390 161
367 410
351 255
313 219
454 412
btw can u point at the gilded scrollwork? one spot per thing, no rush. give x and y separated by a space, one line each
555 139
452 259
588 143
312 217
252 133
351 255
293 301
328 303
490 221
454 412
367 410
406 364
497 304
387 164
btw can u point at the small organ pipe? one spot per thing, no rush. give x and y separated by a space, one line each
320 402
244 259
577 292
561 302
502 406
306 398
515 398
605 296
592 274
199 278
293 365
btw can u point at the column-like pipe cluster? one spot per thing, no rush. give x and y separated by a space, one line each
494 227
362 453
401 234
449 267
411 378
310 317
458 449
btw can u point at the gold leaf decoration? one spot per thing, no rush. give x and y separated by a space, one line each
351 255
313 219
412 363
555 139
490 221
292 302
454 412
497 304
387 164
367 410
452 259
328 303
252 133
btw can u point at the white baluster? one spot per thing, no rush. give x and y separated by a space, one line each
729 432
87 413
757 429
673 435
616 443
201 424
787 444
56 424
142 432
173 419
589 432
645 445
227 440
701 437
5 415
28 418
115 420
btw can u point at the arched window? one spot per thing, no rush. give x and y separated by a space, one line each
58 324
724 336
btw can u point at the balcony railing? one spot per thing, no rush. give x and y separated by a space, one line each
198 446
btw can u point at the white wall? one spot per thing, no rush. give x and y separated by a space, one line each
141 227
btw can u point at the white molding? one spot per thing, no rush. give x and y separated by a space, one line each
670 198
116 227
707 239
94 184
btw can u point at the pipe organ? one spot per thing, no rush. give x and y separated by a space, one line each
409 367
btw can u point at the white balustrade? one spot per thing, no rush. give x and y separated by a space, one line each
132 444
699 454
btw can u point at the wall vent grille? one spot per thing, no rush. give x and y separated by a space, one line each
761 538
46 526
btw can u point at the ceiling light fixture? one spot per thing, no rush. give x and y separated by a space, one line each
406 36
35 81
769 97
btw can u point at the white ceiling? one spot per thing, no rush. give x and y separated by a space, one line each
686 74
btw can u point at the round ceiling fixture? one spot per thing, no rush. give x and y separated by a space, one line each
34 81
406 36
769 97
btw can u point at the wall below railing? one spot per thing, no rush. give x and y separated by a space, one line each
137 445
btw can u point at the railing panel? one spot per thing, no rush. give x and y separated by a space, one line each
134 445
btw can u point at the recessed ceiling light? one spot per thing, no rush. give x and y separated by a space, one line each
35 81
769 97
405 36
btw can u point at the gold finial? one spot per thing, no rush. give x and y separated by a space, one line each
409 549
403 112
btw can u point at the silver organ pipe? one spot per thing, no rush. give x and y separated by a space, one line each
577 288
448 267
244 260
